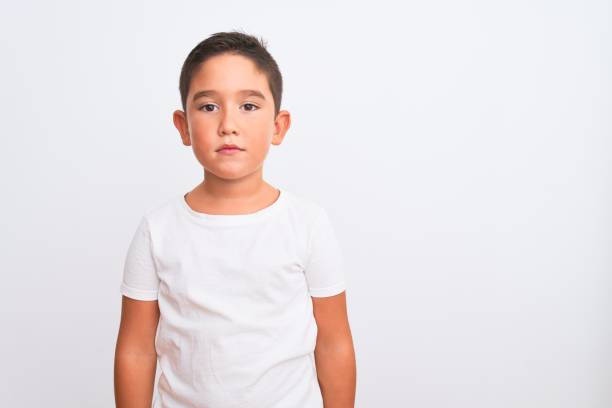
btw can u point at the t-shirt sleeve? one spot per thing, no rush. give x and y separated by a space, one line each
325 265
140 280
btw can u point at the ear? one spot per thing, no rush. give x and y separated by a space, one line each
281 126
180 122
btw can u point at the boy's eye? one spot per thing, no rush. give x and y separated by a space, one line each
254 107
206 107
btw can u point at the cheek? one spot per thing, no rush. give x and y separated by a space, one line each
203 133
263 130
199 125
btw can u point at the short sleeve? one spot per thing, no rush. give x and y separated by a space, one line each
140 280
325 265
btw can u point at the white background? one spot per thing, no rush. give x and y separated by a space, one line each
462 150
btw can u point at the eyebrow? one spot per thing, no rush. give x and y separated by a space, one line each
211 92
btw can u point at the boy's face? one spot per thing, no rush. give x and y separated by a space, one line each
221 110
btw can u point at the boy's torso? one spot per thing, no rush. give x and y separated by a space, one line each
236 324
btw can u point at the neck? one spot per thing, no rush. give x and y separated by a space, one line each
233 190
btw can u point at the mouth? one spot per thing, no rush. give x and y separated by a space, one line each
229 150
228 147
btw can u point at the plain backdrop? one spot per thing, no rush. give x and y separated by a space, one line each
462 149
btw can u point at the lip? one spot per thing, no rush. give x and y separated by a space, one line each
231 150
229 146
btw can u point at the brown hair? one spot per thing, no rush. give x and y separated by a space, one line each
238 43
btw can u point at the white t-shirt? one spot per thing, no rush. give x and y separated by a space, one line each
236 324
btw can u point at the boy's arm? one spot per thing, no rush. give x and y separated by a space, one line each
135 356
334 352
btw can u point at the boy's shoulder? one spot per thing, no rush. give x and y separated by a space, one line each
302 207
299 200
162 209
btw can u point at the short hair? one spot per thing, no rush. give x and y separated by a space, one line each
237 43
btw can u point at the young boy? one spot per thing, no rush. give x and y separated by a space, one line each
237 287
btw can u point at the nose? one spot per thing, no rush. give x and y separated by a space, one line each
227 125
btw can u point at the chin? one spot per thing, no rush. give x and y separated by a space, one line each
229 174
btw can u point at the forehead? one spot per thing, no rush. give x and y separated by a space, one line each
227 74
